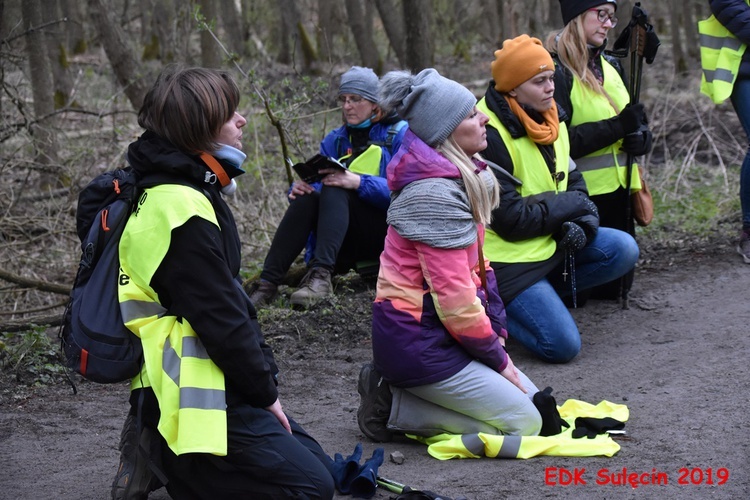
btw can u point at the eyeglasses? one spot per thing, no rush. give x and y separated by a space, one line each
350 100
603 16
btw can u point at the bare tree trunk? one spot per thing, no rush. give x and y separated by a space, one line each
58 54
326 29
164 29
418 20
394 28
361 27
44 137
71 9
691 36
555 15
678 54
289 20
491 21
210 51
120 54
232 22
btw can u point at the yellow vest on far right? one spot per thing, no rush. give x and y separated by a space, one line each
721 55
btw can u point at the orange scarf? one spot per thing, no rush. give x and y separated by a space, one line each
541 133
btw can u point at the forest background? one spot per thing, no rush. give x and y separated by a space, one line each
73 74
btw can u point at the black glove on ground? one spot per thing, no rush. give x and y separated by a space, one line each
638 143
632 117
571 236
552 422
591 427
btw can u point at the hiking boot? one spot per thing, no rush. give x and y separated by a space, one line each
374 406
262 293
743 246
134 480
314 287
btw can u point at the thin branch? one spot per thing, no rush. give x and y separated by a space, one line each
44 286
30 323
35 310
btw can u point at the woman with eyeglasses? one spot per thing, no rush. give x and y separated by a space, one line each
544 241
603 126
341 218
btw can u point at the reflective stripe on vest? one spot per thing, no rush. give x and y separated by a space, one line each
187 383
477 445
605 170
529 166
721 55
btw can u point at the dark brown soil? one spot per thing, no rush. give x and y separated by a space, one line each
678 358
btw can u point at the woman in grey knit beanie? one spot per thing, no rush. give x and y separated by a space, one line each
438 330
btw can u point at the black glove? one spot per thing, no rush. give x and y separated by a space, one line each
552 422
591 427
632 117
638 143
571 236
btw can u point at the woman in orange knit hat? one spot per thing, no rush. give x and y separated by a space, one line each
544 241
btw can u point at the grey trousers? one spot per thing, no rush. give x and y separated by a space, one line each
476 399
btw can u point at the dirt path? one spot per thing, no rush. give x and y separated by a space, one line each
678 358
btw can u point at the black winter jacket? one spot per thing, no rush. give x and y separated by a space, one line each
519 218
198 277
735 16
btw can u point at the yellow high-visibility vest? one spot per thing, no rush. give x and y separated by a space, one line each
530 167
721 55
605 170
188 385
448 446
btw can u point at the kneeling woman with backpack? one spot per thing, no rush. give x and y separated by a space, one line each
207 392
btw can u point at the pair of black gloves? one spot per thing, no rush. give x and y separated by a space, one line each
575 234
553 423
634 123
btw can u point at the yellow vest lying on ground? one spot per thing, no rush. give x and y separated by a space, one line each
447 446
605 170
721 55
188 385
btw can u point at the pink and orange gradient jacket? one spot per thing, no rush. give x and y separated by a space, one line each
431 316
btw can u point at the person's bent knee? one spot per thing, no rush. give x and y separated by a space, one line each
560 352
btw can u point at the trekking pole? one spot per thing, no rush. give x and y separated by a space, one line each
640 40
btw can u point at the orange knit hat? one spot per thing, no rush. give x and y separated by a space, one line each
520 59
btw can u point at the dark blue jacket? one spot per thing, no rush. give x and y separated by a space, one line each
735 16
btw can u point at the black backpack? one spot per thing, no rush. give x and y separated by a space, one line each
94 340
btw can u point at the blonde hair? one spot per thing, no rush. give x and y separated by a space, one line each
481 199
571 48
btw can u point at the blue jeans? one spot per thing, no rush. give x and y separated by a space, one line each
741 102
538 318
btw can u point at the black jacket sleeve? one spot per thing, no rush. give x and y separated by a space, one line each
734 15
194 282
519 218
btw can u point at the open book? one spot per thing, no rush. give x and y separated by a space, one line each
309 171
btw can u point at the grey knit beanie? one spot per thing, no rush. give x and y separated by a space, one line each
360 81
432 104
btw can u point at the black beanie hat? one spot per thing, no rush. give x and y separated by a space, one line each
573 8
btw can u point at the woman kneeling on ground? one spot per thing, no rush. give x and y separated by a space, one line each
544 240
439 327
